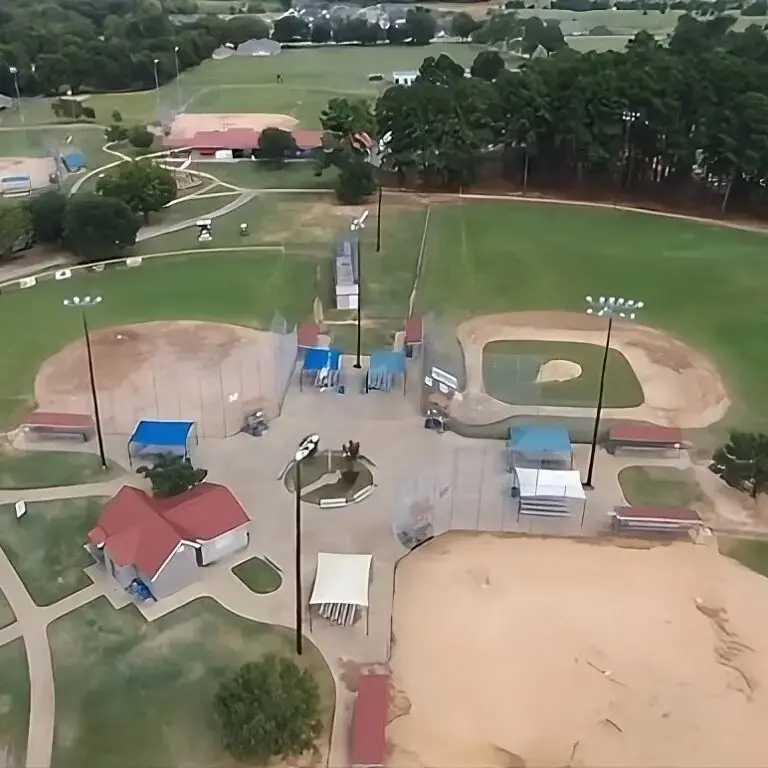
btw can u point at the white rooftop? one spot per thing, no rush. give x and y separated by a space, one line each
341 579
564 483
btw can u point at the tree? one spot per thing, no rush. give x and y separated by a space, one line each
239 29
355 181
442 70
88 113
276 144
487 65
15 226
98 228
463 25
116 132
142 184
420 25
139 137
268 708
346 117
743 461
171 475
47 216
117 116
289 29
321 32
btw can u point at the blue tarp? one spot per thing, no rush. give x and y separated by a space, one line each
387 361
543 442
162 434
316 359
74 161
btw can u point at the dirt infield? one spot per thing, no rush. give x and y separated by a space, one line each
37 168
187 125
210 373
681 386
534 652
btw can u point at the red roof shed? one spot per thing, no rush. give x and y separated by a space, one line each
645 434
371 715
414 330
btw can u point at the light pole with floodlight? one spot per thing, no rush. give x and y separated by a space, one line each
83 303
155 62
178 84
609 307
383 141
357 226
15 75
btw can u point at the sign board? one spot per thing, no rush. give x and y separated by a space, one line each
21 509
63 274
445 378
429 381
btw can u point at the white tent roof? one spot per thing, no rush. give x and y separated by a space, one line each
550 482
341 579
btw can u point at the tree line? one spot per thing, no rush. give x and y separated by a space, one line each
682 125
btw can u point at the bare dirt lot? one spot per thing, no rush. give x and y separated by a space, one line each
549 653
210 373
187 125
681 385
37 168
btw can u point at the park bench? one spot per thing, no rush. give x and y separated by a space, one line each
637 436
654 519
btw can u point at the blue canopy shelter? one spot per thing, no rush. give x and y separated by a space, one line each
323 365
544 447
153 436
384 369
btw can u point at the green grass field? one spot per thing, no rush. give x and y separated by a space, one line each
166 673
258 575
704 284
647 486
14 696
7 616
48 469
250 174
510 369
46 545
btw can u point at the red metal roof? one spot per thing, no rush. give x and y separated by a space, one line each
56 419
140 530
635 432
656 513
414 330
371 715
239 138
307 334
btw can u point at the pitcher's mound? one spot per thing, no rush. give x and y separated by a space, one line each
558 370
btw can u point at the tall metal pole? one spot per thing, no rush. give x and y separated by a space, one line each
297 551
178 83
92 381
378 222
157 80
15 74
358 364
599 411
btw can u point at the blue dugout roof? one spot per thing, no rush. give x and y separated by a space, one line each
170 434
316 359
540 441
387 360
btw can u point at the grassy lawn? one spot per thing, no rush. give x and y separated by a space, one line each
252 174
510 377
659 486
193 208
166 672
750 552
7 616
46 545
258 575
486 257
48 469
14 703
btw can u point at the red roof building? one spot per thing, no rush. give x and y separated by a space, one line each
241 139
370 720
139 536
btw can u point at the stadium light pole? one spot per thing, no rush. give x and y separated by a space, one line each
83 303
609 307
306 448
385 139
357 226
15 75
178 84
155 62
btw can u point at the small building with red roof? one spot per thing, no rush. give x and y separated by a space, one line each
164 542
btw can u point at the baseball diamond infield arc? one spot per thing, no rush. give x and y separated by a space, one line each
210 373
682 387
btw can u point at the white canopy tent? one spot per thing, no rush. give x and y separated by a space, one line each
341 587
549 493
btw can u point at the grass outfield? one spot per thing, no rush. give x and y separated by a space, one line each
648 486
704 284
250 174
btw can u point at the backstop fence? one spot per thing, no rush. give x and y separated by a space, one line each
470 489
217 391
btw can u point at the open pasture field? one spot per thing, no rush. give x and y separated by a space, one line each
543 652
702 285
236 85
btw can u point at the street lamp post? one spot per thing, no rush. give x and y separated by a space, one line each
83 303
609 307
357 226
178 83
382 148
306 448
15 75
155 62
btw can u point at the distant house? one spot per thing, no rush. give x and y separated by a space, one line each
163 543
407 77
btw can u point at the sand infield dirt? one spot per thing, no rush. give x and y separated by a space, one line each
210 373
561 653
38 169
188 124
682 386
